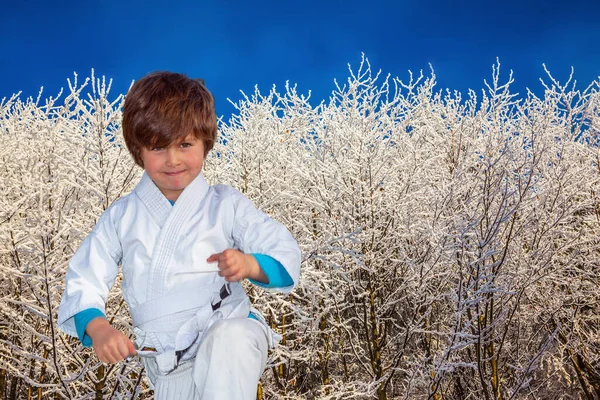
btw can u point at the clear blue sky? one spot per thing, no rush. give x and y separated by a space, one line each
235 45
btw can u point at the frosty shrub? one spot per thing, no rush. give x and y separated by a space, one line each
450 242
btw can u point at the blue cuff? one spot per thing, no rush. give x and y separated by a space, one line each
82 319
277 275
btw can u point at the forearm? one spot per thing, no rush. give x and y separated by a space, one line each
95 326
275 273
256 272
82 319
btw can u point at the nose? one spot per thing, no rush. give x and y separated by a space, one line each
172 157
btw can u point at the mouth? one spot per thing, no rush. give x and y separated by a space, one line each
174 173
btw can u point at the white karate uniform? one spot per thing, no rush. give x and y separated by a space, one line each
171 290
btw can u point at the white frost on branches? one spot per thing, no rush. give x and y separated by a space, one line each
450 242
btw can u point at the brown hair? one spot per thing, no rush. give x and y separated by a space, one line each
163 108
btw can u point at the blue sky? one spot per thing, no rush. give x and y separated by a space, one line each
235 45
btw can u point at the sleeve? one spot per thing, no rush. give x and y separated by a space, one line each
91 272
255 232
82 319
276 274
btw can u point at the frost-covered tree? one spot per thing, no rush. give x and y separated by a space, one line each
63 163
450 241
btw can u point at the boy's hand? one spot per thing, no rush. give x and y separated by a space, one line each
110 345
234 266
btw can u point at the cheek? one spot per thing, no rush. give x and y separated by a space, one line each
151 161
196 162
151 166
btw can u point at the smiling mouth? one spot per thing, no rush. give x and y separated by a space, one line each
173 173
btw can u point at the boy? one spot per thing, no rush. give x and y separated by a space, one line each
183 247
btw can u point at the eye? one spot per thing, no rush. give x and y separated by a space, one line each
186 145
157 148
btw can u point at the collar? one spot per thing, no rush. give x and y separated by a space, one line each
160 207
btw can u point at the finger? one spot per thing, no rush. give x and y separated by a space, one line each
232 255
234 277
131 348
108 358
226 262
228 271
231 274
122 349
100 356
225 266
112 355
235 258
108 352
214 257
224 272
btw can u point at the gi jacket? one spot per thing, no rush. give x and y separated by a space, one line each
162 250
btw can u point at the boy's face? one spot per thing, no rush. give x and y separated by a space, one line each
173 168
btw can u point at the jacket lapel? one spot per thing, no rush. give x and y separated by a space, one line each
172 220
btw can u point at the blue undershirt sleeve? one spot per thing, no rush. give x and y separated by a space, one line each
275 272
277 275
82 319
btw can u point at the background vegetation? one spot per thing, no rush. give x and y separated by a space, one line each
450 241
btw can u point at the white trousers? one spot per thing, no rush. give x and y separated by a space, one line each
229 363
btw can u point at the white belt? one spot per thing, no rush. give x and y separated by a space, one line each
143 315
228 300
